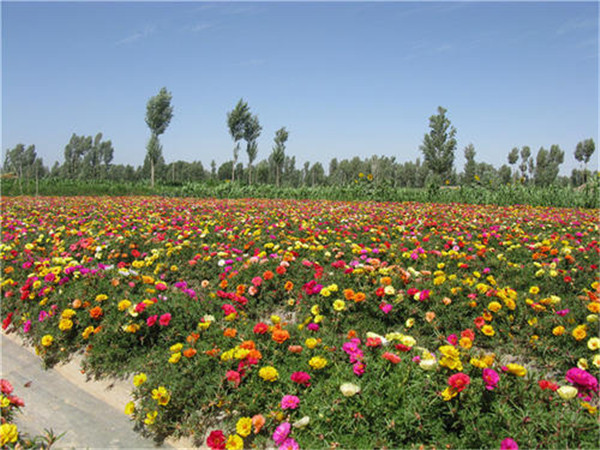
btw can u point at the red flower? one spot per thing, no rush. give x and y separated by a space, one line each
459 381
164 319
260 328
216 440
373 342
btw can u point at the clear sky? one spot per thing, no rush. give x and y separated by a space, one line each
346 79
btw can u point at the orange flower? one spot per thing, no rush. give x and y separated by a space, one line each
248 345
192 338
280 336
241 289
386 281
295 349
351 334
348 294
254 354
429 316
230 332
288 286
593 307
96 312
223 284
188 353
359 297
214 352
267 275
76 303
258 422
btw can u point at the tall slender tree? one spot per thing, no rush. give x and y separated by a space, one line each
439 145
278 154
583 153
236 121
159 113
252 131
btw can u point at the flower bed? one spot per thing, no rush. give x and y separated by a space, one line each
257 323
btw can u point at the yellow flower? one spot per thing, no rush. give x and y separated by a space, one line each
150 417
87 332
409 322
579 333
582 363
488 330
558 331
314 310
244 426
325 292
317 362
596 360
533 290
139 379
339 305
47 340
234 442
67 313
494 306
101 297
240 353
175 357
161 395
311 343
176 347
65 324
318 318
129 408
4 401
465 343
8 433
268 373
516 369
591 409
449 393
480 364
275 319
124 305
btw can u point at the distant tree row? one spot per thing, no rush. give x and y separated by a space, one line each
91 159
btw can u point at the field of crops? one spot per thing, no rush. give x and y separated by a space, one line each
318 324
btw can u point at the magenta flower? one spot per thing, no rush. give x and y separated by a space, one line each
508 444
27 326
385 307
491 378
289 402
281 433
452 339
165 319
313 326
584 381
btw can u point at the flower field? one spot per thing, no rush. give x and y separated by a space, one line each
317 324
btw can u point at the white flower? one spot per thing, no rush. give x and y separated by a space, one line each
427 364
567 392
349 389
302 422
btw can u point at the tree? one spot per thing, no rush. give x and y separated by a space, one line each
236 121
154 160
439 145
470 165
583 153
525 160
513 157
252 131
547 165
159 113
278 153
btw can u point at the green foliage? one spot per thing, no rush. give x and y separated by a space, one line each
159 112
439 145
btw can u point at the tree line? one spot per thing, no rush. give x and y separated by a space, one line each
90 158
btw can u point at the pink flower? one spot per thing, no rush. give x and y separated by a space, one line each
313 326
151 320
563 312
216 440
424 295
358 369
289 444
140 307
257 281
289 402
281 433
385 307
508 444
165 319
27 326
234 377
452 339
491 378
160 286
42 316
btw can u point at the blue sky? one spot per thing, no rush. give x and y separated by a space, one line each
346 79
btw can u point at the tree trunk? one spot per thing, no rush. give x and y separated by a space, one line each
151 173
277 176
250 174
